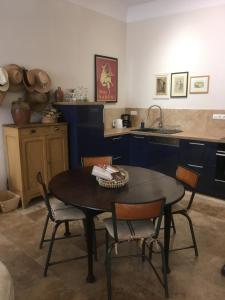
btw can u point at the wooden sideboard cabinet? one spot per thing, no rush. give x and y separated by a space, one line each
33 148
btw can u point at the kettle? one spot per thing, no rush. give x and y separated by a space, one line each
117 123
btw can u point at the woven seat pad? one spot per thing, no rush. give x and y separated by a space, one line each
62 212
142 229
58 204
106 215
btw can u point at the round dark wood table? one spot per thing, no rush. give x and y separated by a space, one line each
79 188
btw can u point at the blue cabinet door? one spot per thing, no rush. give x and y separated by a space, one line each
118 148
163 155
138 150
200 156
85 131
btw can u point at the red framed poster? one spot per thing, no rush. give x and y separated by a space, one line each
106 79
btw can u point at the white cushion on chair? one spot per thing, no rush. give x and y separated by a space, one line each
6 284
62 212
58 204
142 229
106 215
68 213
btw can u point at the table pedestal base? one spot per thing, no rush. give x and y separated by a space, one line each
90 279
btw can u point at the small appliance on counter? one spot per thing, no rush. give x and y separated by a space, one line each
126 120
117 123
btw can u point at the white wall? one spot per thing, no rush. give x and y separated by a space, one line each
193 41
61 38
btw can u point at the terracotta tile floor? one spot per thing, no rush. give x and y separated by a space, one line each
190 278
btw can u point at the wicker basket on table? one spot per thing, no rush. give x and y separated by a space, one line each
114 184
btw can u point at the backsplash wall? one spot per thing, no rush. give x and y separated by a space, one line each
200 121
110 114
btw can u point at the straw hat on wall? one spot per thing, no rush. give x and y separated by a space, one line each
15 77
4 83
28 80
37 80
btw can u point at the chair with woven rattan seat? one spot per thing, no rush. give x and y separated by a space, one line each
190 179
59 213
133 222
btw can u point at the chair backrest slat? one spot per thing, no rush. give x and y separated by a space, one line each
141 211
96 160
190 178
138 211
187 176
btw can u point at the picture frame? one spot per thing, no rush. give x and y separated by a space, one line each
179 85
199 84
162 86
106 79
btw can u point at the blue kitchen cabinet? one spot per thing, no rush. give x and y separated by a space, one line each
85 130
138 154
156 153
163 154
200 156
218 171
118 148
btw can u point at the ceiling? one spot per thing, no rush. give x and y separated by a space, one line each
135 2
136 10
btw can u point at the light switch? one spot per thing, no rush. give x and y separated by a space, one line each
218 116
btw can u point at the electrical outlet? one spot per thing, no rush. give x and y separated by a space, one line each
218 116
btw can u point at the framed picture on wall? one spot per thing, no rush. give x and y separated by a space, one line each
199 85
179 85
162 86
106 79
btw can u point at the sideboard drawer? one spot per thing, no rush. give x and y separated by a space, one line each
58 129
34 131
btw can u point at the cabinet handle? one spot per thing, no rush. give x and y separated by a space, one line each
117 138
33 131
139 137
117 157
220 151
195 166
56 128
219 180
196 144
220 154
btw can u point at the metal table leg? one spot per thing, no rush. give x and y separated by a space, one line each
89 238
168 219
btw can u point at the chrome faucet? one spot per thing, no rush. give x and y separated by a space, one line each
160 116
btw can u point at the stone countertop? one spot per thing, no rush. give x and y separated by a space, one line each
190 135
118 131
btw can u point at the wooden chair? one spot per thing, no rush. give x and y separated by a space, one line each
90 161
190 179
133 222
59 213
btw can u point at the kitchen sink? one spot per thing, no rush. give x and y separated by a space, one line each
159 130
